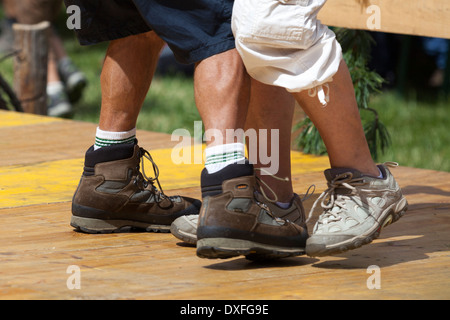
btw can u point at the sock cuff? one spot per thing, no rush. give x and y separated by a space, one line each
108 138
225 153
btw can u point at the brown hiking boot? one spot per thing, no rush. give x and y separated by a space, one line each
114 196
185 227
232 222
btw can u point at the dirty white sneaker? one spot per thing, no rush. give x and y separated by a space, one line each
185 228
355 209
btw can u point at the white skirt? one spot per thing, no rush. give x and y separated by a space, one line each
282 43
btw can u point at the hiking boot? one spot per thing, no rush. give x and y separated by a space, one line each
356 208
232 222
185 227
115 196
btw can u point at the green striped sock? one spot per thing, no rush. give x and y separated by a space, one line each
110 138
218 157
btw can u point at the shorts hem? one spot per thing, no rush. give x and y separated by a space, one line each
109 35
207 51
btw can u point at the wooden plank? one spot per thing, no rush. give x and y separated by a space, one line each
413 17
36 139
53 181
41 160
38 246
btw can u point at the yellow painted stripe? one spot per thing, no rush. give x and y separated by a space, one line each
56 181
41 183
14 119
303 163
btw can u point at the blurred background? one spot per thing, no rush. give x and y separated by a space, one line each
413 104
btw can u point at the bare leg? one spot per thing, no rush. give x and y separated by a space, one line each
56 53
222 89
52 68
339 124
126 76
273 108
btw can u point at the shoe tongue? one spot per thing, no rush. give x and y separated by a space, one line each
332 173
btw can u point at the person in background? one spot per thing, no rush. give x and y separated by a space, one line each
65 82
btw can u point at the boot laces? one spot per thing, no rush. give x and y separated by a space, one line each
262 184
334 202
146 180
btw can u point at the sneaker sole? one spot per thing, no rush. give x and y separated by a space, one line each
182 235
94 226
390 216
224 248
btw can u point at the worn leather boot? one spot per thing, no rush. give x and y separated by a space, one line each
185 227
232 222
115 196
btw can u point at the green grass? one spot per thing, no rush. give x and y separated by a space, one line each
419 130
418 127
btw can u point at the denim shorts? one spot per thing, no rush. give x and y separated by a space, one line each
193 29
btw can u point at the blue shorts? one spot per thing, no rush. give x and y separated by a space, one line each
194 29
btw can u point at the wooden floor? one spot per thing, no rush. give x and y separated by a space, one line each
41 162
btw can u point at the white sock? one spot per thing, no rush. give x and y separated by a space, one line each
109 138
54 88
220 156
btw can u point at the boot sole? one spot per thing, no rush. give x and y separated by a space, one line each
90 225
224 248
391 215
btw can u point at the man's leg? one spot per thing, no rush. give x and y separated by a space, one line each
125 79
269 108
232 222
362 197
339 124
113 194
222 92
272 108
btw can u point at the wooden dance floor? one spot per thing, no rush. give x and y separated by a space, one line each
41 257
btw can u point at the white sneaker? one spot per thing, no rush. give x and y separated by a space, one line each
356 208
